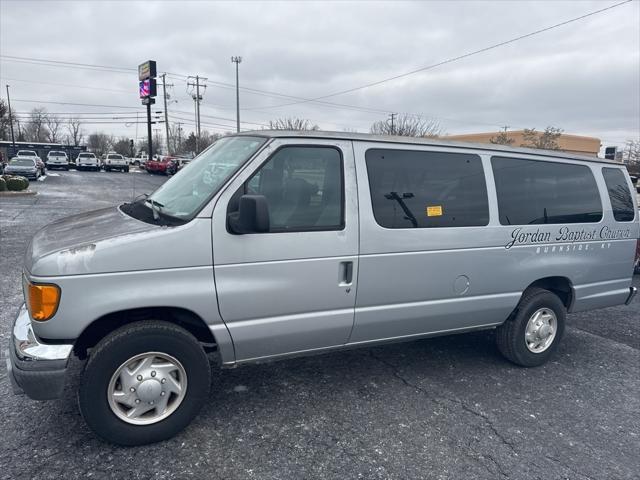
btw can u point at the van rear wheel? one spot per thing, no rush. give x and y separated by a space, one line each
144 383
530 337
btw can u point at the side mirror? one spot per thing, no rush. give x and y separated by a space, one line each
252 215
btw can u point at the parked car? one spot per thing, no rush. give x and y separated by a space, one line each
115 161
182 162
87 161
23 166
166 165
139 160
32 154
57 159
320 241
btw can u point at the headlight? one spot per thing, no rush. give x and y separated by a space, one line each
42 300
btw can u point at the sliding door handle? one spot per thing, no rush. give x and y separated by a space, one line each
346 273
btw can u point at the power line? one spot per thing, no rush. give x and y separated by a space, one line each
77 104
319 100
102 89
459 57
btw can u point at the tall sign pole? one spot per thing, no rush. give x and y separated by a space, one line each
148 90
13 140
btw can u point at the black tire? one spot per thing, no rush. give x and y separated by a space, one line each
123 344
510 336
126 169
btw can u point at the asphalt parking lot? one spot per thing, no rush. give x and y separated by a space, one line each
443 408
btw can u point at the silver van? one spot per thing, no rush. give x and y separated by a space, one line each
287 243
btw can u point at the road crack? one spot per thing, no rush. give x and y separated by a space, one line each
486 420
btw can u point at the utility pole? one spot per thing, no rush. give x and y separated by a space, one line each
179 136
197 98
237 61
13 140
166 112
393 116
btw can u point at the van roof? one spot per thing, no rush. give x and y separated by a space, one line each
368 137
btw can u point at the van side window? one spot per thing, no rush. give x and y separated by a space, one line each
540 192
418 189
619 194
304 189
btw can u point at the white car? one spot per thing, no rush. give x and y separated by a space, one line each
87 161
57 159
34 156
115 161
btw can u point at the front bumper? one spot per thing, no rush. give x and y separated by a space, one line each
29 174
35 368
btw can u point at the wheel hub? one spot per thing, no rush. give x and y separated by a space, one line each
541 330
149 390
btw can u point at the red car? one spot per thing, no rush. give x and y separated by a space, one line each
166 165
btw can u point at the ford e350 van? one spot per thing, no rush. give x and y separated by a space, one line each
287 243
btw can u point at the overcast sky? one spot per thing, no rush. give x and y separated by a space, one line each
583 77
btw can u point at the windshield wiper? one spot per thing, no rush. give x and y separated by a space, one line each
155 208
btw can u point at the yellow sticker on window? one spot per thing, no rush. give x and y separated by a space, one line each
434 211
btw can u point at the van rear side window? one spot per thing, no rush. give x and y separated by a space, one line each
417 189
619 194
538 192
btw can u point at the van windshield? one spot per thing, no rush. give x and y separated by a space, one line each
186 192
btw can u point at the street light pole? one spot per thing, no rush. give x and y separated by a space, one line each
237 61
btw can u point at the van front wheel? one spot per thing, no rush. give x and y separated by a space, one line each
532 334
144 383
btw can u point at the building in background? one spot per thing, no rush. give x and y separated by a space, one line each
589 146
7 148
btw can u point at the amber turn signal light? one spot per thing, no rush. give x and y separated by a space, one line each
43 301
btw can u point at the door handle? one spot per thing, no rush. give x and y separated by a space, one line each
346 273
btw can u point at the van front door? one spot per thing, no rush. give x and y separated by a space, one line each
292 288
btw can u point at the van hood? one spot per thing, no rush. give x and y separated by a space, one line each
74 241
109 241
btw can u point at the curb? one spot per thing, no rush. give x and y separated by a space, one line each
24 193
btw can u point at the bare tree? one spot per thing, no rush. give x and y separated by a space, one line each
74 127
502 138
5 125
54 124
408 126
122 146
547 140
292 123
631 154
158 143
99 143
36 129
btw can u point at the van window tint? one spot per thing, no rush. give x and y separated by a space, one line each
538 192
415 189
303 187
619 194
